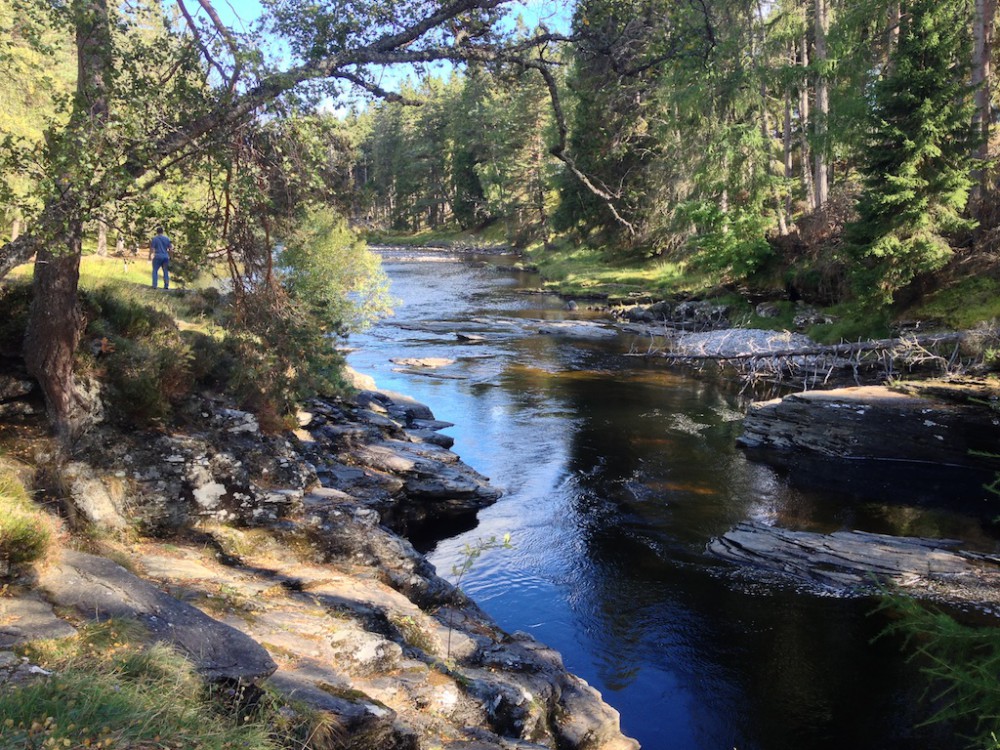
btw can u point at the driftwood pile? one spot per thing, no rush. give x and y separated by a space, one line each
814 365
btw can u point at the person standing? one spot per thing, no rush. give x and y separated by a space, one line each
159 251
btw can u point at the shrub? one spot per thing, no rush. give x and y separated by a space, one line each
144 360
328 268
278 356
732 242
148 375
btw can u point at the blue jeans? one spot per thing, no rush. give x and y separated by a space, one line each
164 263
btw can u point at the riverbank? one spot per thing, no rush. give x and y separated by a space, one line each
262 559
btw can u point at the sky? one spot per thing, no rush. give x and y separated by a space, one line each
555 13
240 14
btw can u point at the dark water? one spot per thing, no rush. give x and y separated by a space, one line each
617 471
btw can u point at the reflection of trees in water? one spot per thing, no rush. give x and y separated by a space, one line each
763 668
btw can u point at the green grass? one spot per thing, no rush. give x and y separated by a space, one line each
494 234
589 271
962 304
25 531
109 690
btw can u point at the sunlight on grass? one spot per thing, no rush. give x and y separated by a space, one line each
110 690
963 304
96 270
590 270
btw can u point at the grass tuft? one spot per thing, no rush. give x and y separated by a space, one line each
109 690
25 531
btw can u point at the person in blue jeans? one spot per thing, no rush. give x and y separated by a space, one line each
159 250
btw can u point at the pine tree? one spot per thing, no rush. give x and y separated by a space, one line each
918 160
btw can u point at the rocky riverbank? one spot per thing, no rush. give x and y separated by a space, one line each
267 561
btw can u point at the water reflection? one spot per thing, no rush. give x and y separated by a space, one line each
617 472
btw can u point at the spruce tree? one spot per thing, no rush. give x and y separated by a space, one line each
918 160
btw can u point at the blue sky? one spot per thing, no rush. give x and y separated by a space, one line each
242 13
554 13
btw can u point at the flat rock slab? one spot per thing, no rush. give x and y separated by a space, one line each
431 363
98 588
857 561
875 423
28 618
577 329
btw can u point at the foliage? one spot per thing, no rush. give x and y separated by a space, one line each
328 268
15 296
961 662
918 158
25 533
140 353
584 271
271 361
472 155
854 323
731 242
964 302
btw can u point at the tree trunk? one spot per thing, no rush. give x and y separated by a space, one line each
102 238
804 125
786 147
981 77
15 228
892 33
821 172
54 320
53 332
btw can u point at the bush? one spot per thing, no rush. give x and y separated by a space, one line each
148 375
278 356
143 359
732 242
328 268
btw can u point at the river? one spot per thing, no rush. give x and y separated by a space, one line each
616 472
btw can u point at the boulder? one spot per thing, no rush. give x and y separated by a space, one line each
96 498
586 722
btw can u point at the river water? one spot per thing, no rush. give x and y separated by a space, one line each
616 472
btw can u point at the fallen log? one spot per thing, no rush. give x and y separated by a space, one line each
819 350
858 562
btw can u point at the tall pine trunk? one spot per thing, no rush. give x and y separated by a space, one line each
804 125
821 170
981 79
